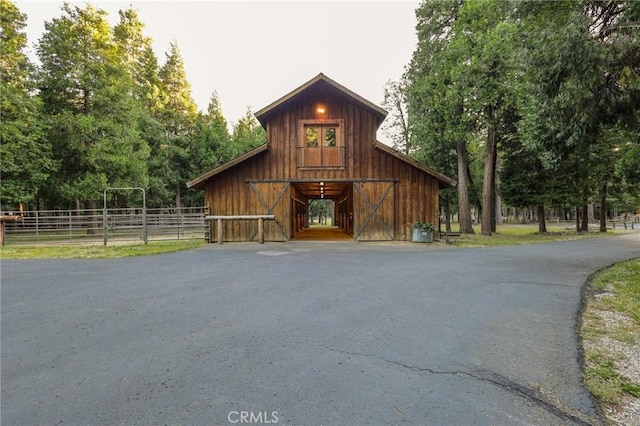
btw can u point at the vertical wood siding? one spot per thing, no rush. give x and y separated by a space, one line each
253 186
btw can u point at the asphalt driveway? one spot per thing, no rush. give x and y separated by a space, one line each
302 334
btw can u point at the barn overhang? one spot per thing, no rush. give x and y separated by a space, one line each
444 181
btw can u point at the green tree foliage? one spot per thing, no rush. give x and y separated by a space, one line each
135 49
553 85
212 133
434 101
178 116
247 133
486 35
106 114
210 145
576 57
397 125
461 81
321 209
178 108
93 118
25 156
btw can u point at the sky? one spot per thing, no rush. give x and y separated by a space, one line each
254 52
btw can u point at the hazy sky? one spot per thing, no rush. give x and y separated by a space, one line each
254 52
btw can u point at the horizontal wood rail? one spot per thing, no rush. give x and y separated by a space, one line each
259 217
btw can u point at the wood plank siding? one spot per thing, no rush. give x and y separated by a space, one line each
377 191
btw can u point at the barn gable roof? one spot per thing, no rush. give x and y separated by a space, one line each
445 181
319 82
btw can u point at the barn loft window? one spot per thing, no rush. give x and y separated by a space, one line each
321 144
320 135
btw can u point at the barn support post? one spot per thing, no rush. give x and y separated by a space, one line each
261 230
220 239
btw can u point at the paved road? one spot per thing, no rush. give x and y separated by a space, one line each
302 334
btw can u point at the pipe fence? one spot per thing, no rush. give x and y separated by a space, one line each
122 225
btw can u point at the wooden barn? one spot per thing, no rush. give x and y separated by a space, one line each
321 143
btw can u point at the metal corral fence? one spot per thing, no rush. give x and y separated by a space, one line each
122 225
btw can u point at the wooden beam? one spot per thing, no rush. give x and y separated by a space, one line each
242 217
259 217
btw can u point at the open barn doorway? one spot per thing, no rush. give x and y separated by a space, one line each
321 211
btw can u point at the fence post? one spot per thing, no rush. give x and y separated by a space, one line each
144 217
104 224
178 215
219 231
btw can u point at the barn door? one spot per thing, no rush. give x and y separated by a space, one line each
272 198
373 211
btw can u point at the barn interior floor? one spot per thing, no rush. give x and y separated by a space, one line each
323 233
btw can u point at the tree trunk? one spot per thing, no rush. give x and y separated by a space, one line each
498 216
577 219
603 208
488 185
447 214
495 200
591 216
585 218
474 197
178 203
542 223
464 209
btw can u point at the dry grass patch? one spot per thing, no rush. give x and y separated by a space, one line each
610 333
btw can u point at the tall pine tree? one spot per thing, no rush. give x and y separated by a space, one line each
93 119
25 155
178 117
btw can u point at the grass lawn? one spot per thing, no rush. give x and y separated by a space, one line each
79 251
610 332
508 234
515 234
